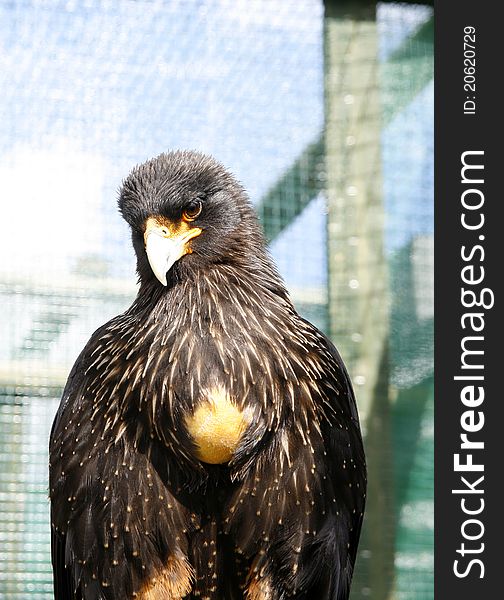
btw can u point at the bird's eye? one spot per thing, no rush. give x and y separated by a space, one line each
192 210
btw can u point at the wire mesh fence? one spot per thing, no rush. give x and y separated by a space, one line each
324 112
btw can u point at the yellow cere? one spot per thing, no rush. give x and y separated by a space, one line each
170 229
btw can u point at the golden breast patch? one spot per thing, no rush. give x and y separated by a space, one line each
216 427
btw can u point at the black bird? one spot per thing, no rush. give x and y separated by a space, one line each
207 444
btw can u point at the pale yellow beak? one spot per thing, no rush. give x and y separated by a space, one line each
166 243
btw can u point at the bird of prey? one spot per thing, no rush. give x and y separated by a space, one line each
207 444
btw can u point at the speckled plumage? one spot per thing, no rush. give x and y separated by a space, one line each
135 513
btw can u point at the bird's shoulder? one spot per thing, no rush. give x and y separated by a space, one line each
81 373
333 367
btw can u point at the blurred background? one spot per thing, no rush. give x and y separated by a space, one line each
324 111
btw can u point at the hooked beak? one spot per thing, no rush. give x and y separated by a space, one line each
167 243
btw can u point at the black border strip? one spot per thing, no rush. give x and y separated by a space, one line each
459 403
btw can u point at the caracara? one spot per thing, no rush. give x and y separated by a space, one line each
207 445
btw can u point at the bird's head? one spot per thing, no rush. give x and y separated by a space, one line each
185 212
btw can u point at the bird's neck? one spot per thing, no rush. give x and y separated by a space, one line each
205 294
217 332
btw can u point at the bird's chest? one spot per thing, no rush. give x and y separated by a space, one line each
207 370
216 410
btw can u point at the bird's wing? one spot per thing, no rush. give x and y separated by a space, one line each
346 463
63 587
114 523
299 510
62 577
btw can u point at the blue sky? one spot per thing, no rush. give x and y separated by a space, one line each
90 88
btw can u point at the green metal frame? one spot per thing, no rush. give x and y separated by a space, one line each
305 178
